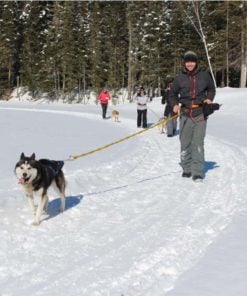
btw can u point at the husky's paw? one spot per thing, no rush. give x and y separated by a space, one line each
35 223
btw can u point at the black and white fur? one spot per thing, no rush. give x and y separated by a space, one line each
35 177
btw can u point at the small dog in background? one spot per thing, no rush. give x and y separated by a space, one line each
36 177
162 126
115 115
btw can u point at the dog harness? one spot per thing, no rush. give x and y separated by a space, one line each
54 165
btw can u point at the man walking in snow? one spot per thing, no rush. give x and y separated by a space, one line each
171 125
190 90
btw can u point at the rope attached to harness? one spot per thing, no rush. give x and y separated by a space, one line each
163 121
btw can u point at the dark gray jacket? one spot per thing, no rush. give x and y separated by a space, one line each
191 88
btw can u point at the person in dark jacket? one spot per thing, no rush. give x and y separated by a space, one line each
190 90
171 125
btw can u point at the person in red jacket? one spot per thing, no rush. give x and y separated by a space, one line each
104 97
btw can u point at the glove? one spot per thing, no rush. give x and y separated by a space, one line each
209 109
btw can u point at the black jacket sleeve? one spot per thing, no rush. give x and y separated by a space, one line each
211 87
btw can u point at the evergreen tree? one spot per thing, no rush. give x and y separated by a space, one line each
68 47
34 21
81 50
10 34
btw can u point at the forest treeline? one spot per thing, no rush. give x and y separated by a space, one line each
63 47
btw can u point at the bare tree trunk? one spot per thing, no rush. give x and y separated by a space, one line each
130 54
58 82
159 86
55 83
200 32
227 45
18 87
243 77
79 90
9 76
159 78
123 71
84 84
130 83
223 78
63 82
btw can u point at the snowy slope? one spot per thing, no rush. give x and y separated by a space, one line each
132 226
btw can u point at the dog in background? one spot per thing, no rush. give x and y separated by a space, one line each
36 177
162 126
115 115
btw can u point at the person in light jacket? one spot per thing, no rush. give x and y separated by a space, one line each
141 99
104 97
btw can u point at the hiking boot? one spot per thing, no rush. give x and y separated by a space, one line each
186 175
197 178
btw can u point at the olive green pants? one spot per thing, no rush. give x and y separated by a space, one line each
192 134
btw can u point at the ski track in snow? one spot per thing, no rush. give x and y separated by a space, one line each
132 225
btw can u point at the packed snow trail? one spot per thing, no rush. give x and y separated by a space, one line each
132 224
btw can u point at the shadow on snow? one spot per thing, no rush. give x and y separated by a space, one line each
210 165
54 205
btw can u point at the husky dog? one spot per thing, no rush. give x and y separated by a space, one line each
115 115
35 177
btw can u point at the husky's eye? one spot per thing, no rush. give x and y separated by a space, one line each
29 168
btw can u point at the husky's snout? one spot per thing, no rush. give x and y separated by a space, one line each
24 179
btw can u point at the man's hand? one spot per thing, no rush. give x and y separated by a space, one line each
208 101
176 109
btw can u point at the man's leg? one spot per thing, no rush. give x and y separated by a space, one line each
103 110
144 118
186 133
197 147
139 118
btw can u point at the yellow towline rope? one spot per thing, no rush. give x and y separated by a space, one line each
163 121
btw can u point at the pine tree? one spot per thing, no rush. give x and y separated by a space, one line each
81 50
66 48
34 21
9 45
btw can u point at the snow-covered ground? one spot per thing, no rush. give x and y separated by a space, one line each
133 226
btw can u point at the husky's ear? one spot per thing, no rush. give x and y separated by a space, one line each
32 156
22 156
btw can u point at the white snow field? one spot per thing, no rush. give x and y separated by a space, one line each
132 225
